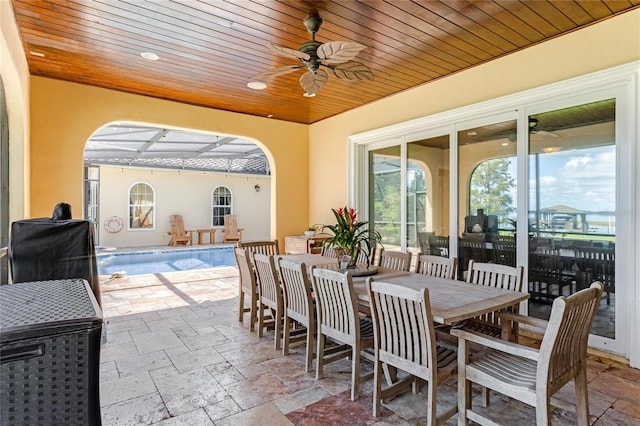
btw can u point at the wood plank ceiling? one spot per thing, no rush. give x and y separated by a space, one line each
209 50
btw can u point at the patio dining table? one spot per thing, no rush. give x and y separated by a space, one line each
451 300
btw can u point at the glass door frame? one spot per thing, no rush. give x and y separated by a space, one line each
620 82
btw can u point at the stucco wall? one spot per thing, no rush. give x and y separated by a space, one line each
64 115
184 193
15 78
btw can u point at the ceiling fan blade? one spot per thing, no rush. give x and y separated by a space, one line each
276 72
352 70
290 53
311 81
545 133
337 52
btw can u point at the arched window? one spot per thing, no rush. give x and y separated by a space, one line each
221 204
142 202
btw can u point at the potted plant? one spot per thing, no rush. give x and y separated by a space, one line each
351 234
310 232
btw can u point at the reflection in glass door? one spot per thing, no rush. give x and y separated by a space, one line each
487 194
572 207
385 191
427 188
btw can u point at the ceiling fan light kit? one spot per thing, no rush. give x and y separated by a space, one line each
335 56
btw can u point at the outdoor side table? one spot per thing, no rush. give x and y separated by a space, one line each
49 353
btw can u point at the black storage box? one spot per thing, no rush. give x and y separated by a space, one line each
49 354
47 249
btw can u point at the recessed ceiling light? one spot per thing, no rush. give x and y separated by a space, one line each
550 149
308 95
270 116
472 133
505 144
150 56
38 54
257 85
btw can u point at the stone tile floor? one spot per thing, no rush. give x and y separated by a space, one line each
175 354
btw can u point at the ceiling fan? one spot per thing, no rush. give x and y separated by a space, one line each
335 56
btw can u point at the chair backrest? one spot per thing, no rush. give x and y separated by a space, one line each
403 327
262 247
438 245
504 252
177 225
474 247
397 260
298 302
423 241
247 277
231 231
337 313
498 276
437 266
268 280
564 345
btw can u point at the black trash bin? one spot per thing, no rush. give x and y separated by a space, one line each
49 354
48 249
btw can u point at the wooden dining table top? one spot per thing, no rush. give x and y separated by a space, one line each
451 300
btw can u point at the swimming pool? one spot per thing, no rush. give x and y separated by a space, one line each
149 262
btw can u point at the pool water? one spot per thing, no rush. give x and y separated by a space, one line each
157 261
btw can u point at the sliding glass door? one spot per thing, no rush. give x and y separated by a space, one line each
572 207
549 186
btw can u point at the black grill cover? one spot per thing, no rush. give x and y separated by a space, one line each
47 249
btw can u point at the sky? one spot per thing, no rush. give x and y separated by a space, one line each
583 179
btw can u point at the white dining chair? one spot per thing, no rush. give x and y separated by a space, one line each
269 295
437 266
405 339
298 307
526 374
338 319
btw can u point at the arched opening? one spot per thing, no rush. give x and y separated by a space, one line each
184 169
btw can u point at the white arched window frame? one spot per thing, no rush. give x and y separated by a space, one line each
142 207
221 204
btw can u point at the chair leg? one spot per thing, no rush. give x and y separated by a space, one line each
432 415
582 397
377 388
320 356
260 318
241 305
464 386
278 330
355 372
543 410
253 312
286 334
486 395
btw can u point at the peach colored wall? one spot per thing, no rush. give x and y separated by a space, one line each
613 42
64 115
186 193
15 78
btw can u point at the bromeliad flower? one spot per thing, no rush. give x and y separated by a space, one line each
351 234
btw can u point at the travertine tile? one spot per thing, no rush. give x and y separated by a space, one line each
188 391
266 414
126 388
141 410
146 362
156 341
175 347
257 390
193 418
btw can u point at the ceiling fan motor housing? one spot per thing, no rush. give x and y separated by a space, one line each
310 47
